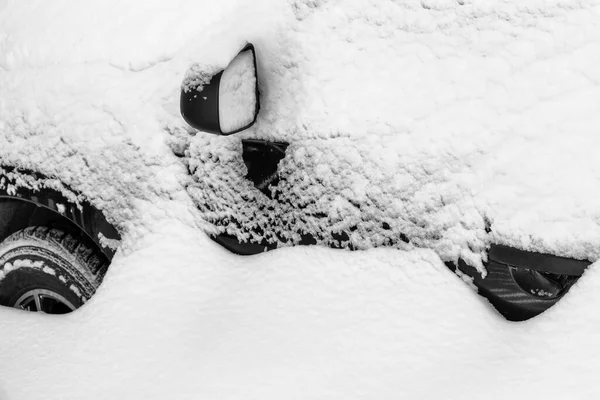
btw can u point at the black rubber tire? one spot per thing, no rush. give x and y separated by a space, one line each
50 259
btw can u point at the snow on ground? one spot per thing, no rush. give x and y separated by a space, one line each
181 318
494 116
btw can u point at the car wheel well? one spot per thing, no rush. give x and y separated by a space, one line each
18 214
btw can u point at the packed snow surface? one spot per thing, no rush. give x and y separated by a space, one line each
444 119
180 318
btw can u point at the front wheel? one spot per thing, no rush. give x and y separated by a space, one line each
48 270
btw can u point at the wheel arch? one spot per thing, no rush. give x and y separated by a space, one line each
28 199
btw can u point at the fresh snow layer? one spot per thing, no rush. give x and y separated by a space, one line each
438 119
444 117
180 318
237 93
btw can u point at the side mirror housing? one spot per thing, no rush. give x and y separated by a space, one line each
227 102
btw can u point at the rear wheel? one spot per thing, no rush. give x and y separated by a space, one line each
48 270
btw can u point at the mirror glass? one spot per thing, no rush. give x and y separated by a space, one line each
238 94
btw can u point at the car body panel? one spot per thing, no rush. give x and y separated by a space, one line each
466 146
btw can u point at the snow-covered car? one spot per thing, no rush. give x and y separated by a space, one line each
458 133
409 125
76 162
89 97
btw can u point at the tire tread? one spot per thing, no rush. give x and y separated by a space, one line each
77 247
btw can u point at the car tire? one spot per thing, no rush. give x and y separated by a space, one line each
49 270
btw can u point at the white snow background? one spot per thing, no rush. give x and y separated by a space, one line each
89 92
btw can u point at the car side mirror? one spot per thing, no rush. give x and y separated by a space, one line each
227 102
